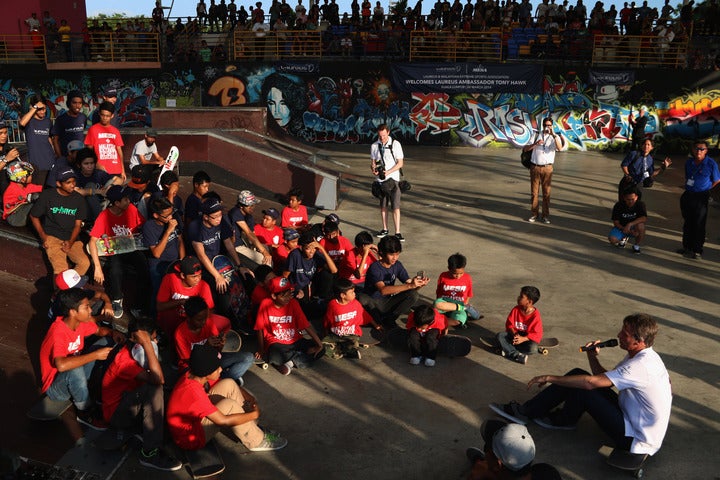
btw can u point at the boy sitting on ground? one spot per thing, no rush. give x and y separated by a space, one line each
295 214
455 286
342 321
200 406
425 326
523 328
629 217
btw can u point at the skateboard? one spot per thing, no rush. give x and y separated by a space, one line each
233 341
239 300
371 337
108 246
47 409
88 456
449 345
205 462
547 343
170 163
624 460
491 344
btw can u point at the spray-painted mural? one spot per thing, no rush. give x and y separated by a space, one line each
344 102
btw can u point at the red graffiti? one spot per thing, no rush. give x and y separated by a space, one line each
557 88
600 124
433 113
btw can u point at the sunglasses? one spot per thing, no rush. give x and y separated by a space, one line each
700 149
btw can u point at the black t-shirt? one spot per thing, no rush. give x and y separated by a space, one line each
67 129
624 214
59 212
212 238
37 135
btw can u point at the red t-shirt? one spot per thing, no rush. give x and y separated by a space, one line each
259 294
126 224
105 141
291 218
281 325
173 288
439 322
531 324
337 250
272 236
280 256
61 341
345 320
187 406
119 378
351 261
185 340
16 194
455 288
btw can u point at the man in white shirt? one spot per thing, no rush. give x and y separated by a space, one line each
543 157
145 151
386 157
636 417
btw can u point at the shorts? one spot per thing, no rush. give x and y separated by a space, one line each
618 234
390 194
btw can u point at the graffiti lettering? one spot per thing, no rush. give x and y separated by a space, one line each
433 114
230 90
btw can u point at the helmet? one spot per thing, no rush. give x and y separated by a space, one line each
18 170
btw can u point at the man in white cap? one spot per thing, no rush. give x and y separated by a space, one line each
247 243
508 454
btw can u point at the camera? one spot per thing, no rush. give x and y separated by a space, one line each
380 169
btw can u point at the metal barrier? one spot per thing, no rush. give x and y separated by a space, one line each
15 133
638 51
456 46
104 47
27 48
247 45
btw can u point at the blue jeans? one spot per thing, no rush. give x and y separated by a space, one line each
72 384
235 364
505 339
280 353
600 403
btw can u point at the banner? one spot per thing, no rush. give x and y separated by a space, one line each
623 77
466 77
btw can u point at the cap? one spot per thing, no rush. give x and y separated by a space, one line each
247 199
204 360
210 206
70 279
514 446
75 145
66 174
333 218
138 354
271 212
280 285
111 92
140 176
190 265
151 132
116 193
290 234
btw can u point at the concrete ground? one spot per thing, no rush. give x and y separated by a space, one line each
384 419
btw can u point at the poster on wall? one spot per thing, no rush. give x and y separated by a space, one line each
466 77
598 77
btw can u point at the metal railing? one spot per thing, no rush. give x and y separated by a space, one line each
638 51
456 46
28 48
285 44
104 47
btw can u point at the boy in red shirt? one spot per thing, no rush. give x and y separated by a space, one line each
523 328
455 286
280 254
132 393
176 287
197 330
201 405
107 142
295 214
343 318
337 246
425 326
279 323
357 261
18 197
65 369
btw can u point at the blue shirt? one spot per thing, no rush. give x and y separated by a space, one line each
700 178
152 233
302 269
211 237
638 165
378 273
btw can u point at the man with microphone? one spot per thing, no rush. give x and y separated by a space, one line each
636 418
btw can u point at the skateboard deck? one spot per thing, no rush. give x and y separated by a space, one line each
89 457
239 300
170 162
46 409
109 246
449 345
491 344
233 341
624 460
546 343
205 462
371 337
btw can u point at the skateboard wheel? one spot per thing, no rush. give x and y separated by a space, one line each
543 351
639 473
364 345
265 366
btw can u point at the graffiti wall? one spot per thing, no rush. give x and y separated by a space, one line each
343 102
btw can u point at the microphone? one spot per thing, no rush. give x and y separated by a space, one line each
607 343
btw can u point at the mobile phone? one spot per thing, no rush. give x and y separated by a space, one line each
421 274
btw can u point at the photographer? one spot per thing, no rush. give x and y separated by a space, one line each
387 160
546 144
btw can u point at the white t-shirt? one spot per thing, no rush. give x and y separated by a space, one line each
545 154
142 150
645 398
391 152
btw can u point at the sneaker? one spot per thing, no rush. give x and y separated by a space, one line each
400 237
117 308
429 362
519 358
697 256
353 353
88 419
622 243
474 454
381 234
545 220
510 411
271 441
285 368
158 459
415 360
636 249
532 219
551 424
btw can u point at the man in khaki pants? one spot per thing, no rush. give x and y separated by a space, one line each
543 157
